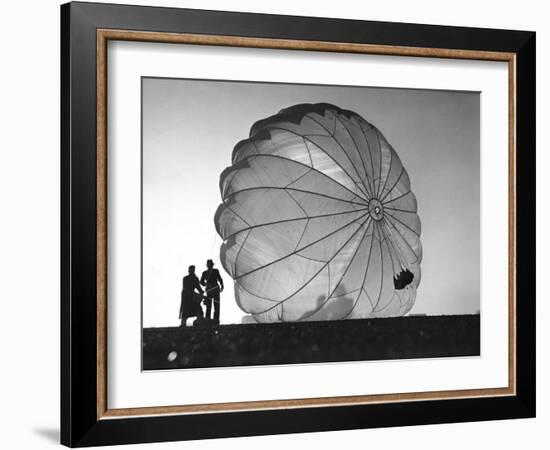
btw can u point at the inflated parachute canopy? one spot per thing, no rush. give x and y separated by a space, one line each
318 219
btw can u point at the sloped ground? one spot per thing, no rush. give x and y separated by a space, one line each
310 342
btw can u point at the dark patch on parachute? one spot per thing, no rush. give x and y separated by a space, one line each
295 114
403 279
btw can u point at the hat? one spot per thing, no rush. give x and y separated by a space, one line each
209 261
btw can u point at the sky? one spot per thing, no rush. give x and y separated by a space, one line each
189 129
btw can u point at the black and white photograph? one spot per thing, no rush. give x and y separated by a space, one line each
295 223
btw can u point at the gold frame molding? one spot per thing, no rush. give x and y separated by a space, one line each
103 36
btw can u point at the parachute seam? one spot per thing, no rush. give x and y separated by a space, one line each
320 270
256 147
408 245
320 307
328 275
230 182
313 169
308 257
302 235
390 241
399 253
343 151
370 155
231 209
388 304
389 249
282 188
369 299
286 190
379 193
299 178
364 278
404 224
357 301
387 240
356 250
308 151
381 270
256 295
325 152
408 211
345 293
394 184
359 153
251 227
397 198
239 253
303 248
380 159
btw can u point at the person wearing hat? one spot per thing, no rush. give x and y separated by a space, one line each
213 282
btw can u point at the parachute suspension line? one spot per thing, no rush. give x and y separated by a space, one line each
214 236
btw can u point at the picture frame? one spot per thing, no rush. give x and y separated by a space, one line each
86 418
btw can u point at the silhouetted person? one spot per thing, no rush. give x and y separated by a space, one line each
214 285
191 300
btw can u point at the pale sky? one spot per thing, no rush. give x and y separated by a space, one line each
190 128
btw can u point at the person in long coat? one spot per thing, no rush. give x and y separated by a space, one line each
191 299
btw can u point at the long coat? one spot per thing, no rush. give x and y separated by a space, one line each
190 300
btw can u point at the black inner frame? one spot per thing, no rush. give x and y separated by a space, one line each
79 423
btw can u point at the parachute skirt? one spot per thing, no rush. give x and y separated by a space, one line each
318 219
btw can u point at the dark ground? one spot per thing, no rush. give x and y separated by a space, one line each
311 342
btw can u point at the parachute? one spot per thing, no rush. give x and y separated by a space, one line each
318 220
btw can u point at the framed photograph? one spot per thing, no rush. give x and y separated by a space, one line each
277 224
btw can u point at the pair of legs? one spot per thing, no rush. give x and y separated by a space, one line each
191 307
199 316
215 298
